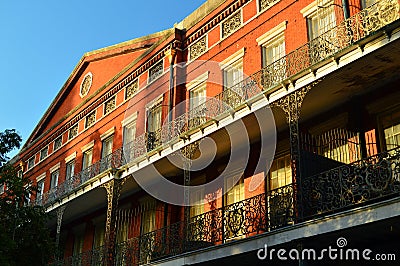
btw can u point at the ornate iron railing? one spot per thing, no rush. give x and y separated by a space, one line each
349 185
262 213
93 257
114 160
335 40
317 50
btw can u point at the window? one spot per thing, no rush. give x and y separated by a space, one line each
129 132
280 173
320 18
274 50
2 188
154 116
31 162
40 187
232 68
73 132
109 106
87 158
43 153
54 179
90 119
99 233
57 143
233 74
78 244
156 71
391 130
198 95
107 146
69 169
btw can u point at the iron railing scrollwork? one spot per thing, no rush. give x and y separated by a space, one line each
93 257
113 160
349 185
336 39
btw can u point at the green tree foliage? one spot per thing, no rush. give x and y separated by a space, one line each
9 140
24 236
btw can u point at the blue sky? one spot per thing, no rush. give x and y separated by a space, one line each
42 41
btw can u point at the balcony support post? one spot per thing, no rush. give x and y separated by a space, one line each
113 189
291 105
188 152
60 214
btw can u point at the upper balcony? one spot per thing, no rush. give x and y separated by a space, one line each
351 34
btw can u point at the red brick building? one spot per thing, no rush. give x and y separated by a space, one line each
326 71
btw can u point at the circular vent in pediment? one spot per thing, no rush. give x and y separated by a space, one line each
86 84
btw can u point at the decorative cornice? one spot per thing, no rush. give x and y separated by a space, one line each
214 21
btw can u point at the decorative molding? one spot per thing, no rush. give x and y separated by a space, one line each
231 24
313 7
198 48
41 177
71 157
85 84
131 89
55 167
156 71
107 133
197 81
266 4
87 146
129 119
110 105
272 33
232 58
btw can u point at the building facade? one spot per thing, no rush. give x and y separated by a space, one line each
296 104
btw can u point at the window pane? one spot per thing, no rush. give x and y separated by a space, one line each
107 147
70 167
87 159
54 179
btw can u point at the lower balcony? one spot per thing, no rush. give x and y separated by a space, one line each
349 186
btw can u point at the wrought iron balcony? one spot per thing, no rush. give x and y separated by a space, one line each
347 186
325 46
114 160
373 179
93 257
262 213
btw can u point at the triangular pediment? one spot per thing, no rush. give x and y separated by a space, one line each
93 73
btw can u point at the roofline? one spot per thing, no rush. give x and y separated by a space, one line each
166 33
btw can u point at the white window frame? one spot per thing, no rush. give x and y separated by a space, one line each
310 12
67 163
199 83
231 63
84 150
276 34
40 179
55 168
129 122
150 106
